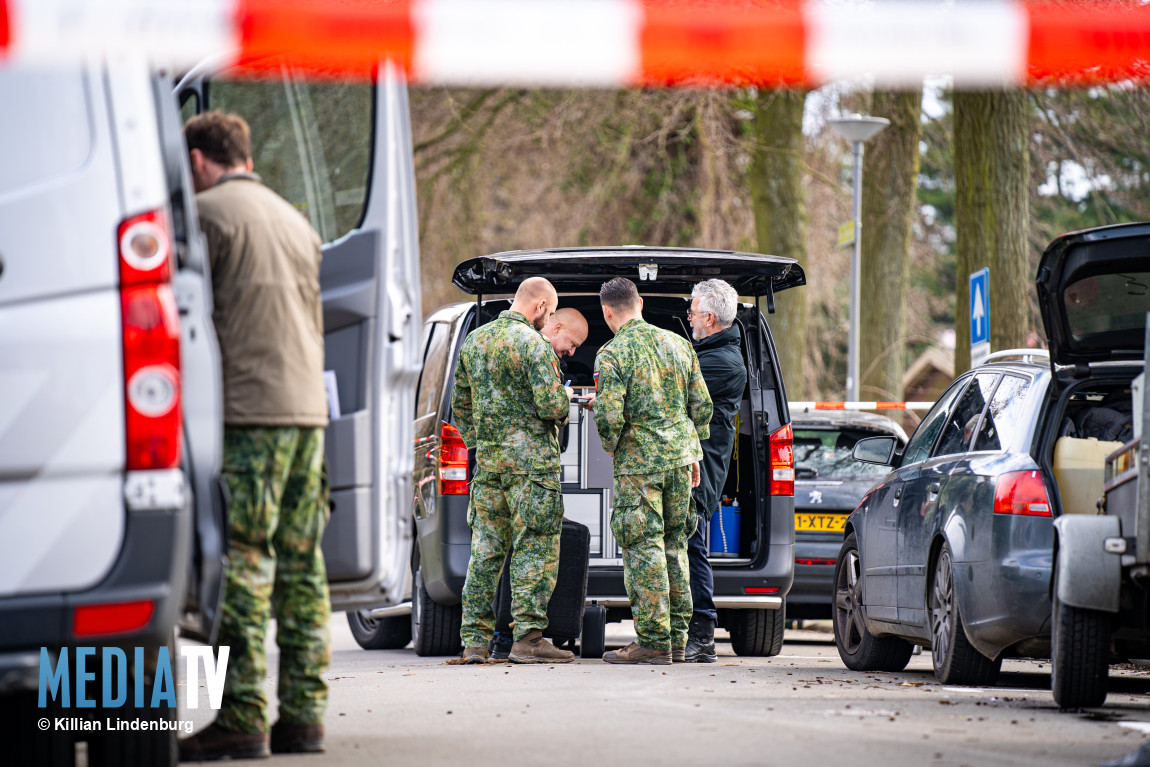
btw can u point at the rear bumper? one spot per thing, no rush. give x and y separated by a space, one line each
152 565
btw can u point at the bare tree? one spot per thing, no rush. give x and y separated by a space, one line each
778 200
890 184
992 171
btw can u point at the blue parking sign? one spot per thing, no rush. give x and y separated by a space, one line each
980 306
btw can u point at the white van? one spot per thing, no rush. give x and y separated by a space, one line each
112 528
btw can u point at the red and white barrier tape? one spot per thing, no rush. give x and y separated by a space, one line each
604 42
807 406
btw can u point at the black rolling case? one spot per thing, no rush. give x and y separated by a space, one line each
565 610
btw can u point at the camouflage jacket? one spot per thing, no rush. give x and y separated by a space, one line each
651 405
508 400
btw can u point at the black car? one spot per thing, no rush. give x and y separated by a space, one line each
829 483
751 582
953 549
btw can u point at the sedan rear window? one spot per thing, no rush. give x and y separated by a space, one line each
826 454
47 126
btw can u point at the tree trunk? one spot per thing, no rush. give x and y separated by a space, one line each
992 170
777 197
889 197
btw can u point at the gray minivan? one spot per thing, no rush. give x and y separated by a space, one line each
112 520
752 577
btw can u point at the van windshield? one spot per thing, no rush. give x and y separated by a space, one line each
46 130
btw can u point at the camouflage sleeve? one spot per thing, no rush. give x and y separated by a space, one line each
699 405
551 402
610 397
461 405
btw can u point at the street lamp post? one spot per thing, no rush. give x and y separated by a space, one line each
856 129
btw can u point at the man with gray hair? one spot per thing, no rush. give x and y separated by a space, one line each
718 344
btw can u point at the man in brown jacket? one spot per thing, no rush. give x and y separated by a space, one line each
265 260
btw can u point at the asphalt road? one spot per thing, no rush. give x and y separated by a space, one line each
800 708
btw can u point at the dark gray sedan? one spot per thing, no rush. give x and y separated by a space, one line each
953 549
829 483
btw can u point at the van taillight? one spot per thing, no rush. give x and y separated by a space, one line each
783 462
452 461
151 326
1022 493
145 249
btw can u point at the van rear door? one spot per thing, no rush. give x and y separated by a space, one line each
341 153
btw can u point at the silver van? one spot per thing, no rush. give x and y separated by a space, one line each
112 516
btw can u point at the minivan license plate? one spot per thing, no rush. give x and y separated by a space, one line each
823 523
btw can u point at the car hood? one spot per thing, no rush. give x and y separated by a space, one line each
831 494
653 270
1094 292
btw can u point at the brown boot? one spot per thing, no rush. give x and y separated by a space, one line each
533 648
297 738
633 653
476 655
678 654
214 743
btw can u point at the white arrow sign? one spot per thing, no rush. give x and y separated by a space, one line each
979 313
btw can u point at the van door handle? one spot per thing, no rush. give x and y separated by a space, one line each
935 487
898 492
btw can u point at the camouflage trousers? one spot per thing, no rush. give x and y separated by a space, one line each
524 510
652 518
276 519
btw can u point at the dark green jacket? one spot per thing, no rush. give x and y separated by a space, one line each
651 406
508 401
721 360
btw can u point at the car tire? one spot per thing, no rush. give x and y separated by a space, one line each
370 633
27 743
1080 655
955 659
593 639
434 627
758 633
859 649
138 748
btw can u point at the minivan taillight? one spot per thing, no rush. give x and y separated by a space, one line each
1021 493
151 328
783 462
452 461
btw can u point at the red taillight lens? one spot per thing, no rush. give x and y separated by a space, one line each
761 590
151 324
145 249
93 620
452 461
1021 493
782 462
815 561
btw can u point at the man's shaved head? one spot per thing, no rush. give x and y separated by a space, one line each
534 289
536 300
567 331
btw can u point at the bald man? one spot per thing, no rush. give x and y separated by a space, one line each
566 330
509 404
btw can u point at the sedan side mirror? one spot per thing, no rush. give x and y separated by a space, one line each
878 450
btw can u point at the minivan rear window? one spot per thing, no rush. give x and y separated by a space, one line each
1105 304
46 130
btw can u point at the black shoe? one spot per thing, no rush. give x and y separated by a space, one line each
700 641
297 738
214 743
500 646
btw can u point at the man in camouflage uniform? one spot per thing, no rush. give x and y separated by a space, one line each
509 404
651 410
265 261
